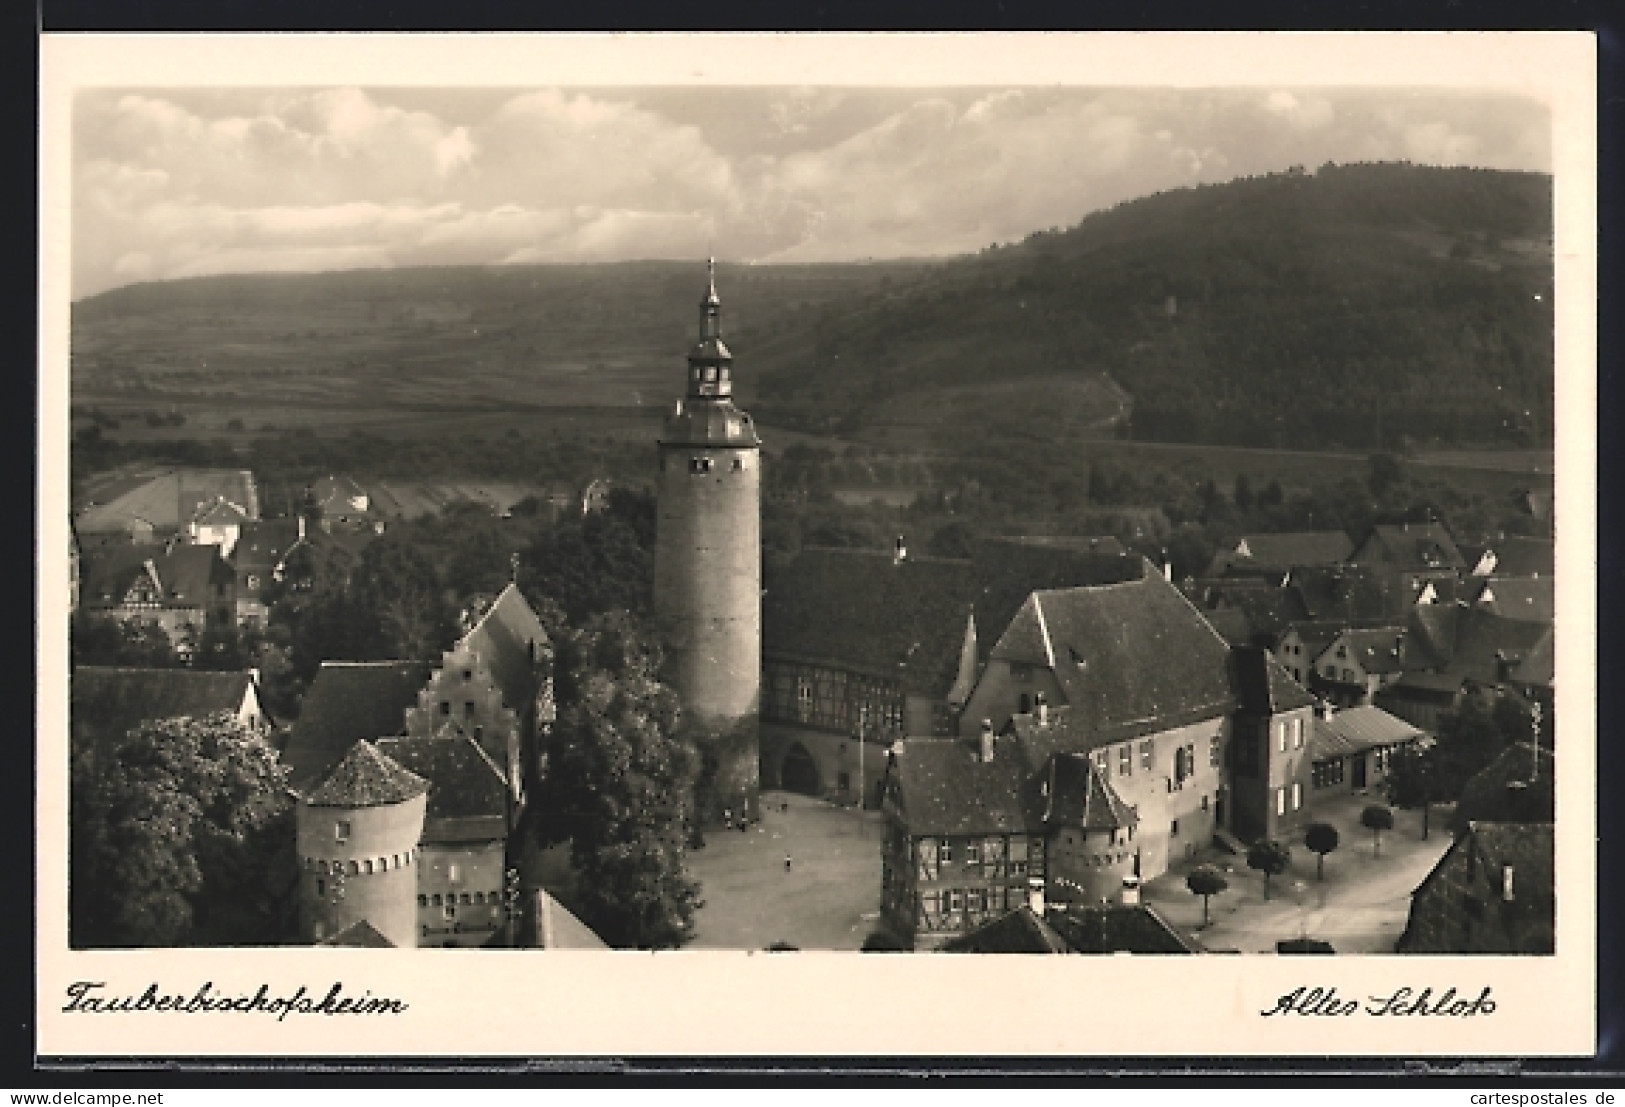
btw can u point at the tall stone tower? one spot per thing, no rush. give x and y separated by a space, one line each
708 564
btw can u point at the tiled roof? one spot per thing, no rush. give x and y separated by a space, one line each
360 934
1263 686
1537 664
1268 611
1377 649
349 700
1417 546
1017 931
1131 658
184 573
107 703
1531 599
945 788
1355 729
1118 928
1079 795
859 609
1491 796
263 544
1284 551
222 512
170 498
1353 593
1231 624
366 778
508 638
467 797
557 928
1524 557
1529 849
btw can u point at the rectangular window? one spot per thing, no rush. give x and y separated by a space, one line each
1280 801
451 910
1280 737
454 873
321 886
1173 829
945 852
699 465
973 852
1100 761
1213 751
1297 794
1297 734
931 903
468 674
445 707
1125 760
341 831
1204 803
956 899
1146 750
468 709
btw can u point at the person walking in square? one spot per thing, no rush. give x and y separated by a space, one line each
786 862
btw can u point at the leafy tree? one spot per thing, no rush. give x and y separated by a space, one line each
1468 740
954 539
1413 780
619 786
1243 494
96 640
182 834
1384 471
1320 839
1270 858
397 583
1205 881
1377 818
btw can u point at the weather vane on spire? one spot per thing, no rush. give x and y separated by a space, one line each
711 275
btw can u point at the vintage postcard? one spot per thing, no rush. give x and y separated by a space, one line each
561 545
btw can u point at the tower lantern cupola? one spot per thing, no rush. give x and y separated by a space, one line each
710 365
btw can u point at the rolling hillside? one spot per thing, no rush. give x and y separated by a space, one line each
1354 306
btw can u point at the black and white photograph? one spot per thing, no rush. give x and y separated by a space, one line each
801 508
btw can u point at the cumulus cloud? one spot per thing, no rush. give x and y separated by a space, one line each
169 184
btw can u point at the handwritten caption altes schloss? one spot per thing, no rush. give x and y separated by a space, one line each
1402 1002
89 997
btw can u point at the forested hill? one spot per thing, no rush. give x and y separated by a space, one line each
1358 305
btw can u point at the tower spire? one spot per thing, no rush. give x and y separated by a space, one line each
709 361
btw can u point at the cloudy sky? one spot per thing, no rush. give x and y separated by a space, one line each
175 183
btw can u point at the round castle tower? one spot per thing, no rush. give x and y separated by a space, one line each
708 564
358 837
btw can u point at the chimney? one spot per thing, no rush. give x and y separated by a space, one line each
987 741
899 551
1035 895
1042 708
1506 883
1167 566
1131 891
301 526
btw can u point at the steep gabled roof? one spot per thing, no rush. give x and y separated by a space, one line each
1080 795
1517 787
557 928
1355 729
263 544
1017 931
1263 686
1267 611
508 638
467 797
1118 928
107 703
1525 557
1130 658
862 610
1286 551
349 700
219 513
360 934
1353 593
366 778
1531 599
1415 546
1538 664
1377 649
945 788
183 572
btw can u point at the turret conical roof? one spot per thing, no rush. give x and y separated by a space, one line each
366 778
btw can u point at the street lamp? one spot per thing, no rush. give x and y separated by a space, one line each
511 906
1303 919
